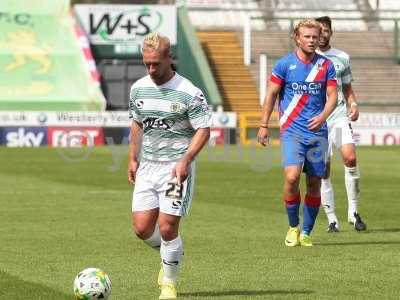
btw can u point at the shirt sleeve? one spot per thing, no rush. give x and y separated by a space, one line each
331 75
134 113
199 112
279 73
347 76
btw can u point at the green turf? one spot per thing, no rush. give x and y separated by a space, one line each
64 211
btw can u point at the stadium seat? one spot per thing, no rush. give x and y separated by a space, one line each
226 13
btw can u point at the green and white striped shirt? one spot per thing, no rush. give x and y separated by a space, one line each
170 114
341 61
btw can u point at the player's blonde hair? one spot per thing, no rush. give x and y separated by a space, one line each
156 42
306 23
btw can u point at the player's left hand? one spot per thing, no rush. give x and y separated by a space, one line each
353 113
180 171
315 123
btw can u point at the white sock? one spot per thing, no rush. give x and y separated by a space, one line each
352 180
328 200
155 240
171 257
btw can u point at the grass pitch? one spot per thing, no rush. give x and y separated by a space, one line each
64 210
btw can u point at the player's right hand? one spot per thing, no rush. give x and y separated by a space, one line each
181 170
263 136
133 166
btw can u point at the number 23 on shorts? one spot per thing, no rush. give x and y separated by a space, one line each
174 190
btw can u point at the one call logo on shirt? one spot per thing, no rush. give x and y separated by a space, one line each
311 88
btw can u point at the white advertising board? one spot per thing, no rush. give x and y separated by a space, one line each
126 25
377 129
203 3
87 118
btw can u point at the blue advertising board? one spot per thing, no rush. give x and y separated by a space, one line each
23 136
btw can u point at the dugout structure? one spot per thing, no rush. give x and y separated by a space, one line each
249 123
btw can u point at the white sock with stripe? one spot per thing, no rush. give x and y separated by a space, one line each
352 181
328 200
171 257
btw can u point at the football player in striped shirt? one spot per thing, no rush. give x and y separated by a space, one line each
341 134
306 85
170 125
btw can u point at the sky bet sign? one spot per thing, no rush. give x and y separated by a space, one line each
51 136
23 136
124 26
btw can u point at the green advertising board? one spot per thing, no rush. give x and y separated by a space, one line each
42 66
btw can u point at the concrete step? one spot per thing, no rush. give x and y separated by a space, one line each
234 80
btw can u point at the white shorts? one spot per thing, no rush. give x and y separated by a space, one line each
155 187
340 133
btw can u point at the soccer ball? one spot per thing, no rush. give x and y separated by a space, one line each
91 284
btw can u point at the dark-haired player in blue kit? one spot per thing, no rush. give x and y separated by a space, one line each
306 84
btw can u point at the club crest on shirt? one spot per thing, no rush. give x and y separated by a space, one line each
175 107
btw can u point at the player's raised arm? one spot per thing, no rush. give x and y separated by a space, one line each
268 106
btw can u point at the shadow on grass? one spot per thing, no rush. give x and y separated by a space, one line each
359 243
15 288
243 293
384 230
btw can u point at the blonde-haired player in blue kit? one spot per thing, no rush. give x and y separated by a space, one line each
340 134
305 82
171 124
